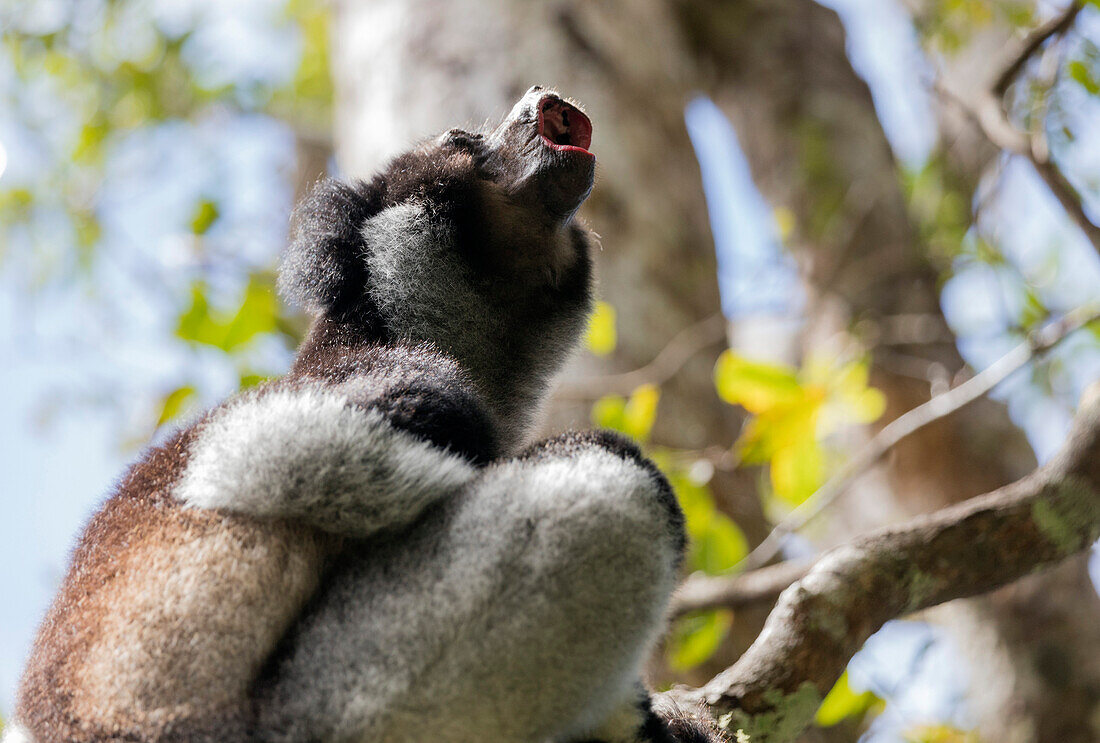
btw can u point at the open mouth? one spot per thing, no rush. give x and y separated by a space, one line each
563 127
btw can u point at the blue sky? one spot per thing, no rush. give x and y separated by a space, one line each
104 368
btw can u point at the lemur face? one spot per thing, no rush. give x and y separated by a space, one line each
506 196
466 242
540 153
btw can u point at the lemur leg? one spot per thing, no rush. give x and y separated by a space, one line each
519 611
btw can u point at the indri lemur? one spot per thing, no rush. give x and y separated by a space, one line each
368 549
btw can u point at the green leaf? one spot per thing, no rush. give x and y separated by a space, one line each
608 412
717 542
858 402
15 204
719 545
251 380
89 144
696 502
175 402
842 703
195 324
205 214
785 222
1094 328
1080 73
257 314
940 734
797 470
634 417
696 637
754 385
601 337
640 411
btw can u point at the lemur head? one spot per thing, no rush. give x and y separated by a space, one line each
468 243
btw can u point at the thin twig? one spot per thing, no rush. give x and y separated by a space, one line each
683 346
987 110
938 407
700 592
1055 26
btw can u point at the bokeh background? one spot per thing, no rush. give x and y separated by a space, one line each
804 234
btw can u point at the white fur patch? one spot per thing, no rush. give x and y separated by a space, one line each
307 454
562 564
15 734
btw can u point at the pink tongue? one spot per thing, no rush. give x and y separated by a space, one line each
565 125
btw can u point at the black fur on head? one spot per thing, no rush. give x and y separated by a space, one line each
466 243
323 270
531 172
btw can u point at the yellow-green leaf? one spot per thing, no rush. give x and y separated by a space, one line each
696 637
850 399
940 734
195 324
175 403
608 412
696 502
868 406
256 315
1081 74
601 337
785 222
640 411
797 470
755 385
15 203
205 214
251 380
780 428
719 545
89 144
842 702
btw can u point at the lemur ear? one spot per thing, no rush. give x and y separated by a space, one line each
323 269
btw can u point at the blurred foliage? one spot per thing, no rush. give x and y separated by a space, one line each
95 74
948 25
230 331
601 337
844 703
696 637
939 202
940 734
793 412
716 543
633 416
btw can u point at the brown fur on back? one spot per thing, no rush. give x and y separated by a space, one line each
156 600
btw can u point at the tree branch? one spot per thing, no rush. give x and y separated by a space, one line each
988 113
774 689
701 592
938 407
1015 61
683 346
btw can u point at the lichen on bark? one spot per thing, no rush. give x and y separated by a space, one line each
1060 518
787 715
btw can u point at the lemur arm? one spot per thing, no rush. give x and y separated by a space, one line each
351 458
